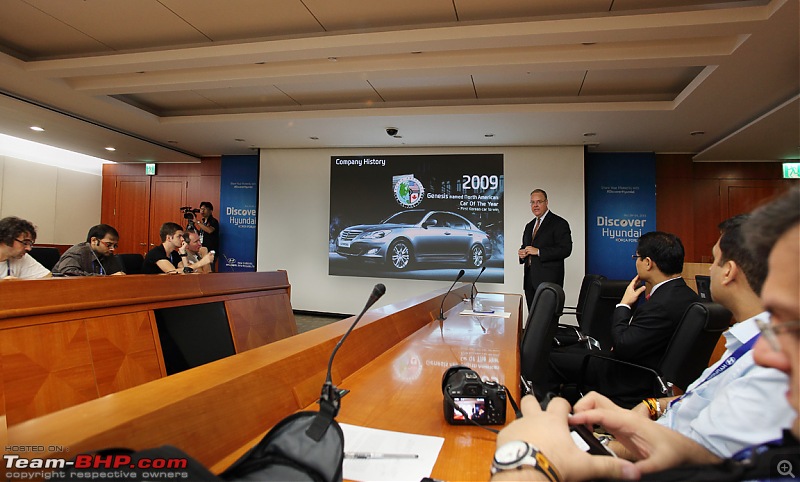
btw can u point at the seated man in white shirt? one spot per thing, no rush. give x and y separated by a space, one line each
197 256
16 240
732 405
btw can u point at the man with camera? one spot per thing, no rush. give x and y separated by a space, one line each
539 447
94 257
166 257
198 258
208 227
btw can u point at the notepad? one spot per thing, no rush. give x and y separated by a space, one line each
363 439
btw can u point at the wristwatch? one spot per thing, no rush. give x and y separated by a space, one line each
517 455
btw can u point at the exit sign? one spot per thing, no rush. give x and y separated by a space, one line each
150 169
791 170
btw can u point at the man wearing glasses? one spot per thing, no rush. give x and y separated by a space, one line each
643 324
546 243
16 240
94 257
773 233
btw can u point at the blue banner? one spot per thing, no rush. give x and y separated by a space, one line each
620 207
238 213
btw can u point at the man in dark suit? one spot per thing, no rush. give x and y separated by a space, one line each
546 243
640 335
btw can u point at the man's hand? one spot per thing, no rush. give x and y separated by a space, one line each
632 293
118 273
655 447
549 432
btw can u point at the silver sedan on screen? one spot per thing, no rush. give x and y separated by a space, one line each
416 235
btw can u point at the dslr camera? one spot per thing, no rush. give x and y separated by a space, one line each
469 400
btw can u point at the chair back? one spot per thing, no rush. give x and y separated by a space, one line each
46 256
132 262
602 297
548 301
693 342
589 283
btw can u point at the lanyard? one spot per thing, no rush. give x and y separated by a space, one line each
736 355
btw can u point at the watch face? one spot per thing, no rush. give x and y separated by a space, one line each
511 452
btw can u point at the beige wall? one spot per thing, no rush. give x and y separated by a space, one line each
294 210
62 204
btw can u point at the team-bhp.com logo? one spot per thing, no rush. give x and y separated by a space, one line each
94 466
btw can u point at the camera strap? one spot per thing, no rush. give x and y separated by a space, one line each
517 411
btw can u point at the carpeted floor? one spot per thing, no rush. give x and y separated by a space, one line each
307 321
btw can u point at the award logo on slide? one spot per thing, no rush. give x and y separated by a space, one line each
408 191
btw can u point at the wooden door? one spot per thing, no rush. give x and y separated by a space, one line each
743 195
131 215
167 196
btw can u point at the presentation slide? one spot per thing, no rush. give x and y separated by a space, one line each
417 217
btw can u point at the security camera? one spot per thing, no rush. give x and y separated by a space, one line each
392 131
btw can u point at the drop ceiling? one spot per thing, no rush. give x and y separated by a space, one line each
174 80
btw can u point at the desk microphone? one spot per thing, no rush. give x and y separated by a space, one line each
441 308
473 292
329 399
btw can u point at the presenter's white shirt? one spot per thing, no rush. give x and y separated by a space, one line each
24 268
743 406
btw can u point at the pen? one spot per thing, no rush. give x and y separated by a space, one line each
373 455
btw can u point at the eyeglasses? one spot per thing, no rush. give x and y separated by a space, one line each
536 203
110 244
635 256
770 331
26 242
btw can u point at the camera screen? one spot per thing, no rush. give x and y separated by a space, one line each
475 408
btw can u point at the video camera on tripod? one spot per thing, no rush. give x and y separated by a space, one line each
188 215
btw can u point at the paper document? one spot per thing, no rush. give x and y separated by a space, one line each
391 454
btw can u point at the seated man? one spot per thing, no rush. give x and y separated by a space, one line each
94 257
197 257
640 336
16 240
539 447
718 409
166 257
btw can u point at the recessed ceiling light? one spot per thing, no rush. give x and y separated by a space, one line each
588 43
333 59
697 133
37 129
109 148
239 140
260 63
488 135
417 52
589 134
314 138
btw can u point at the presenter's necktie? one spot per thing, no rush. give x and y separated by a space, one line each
535 230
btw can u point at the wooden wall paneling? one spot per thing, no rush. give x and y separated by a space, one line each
108 196
260 320
738 196
674 202
707 216
46 368
168 194
123 351
132 213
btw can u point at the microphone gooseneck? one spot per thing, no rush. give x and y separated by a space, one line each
441 308
377 292
473 292
329 398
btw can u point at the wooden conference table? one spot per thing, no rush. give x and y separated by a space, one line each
392 364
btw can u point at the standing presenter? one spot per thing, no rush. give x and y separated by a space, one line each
546 243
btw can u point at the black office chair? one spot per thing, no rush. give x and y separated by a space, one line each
601 296
132 262
547 304
686 357
46 256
